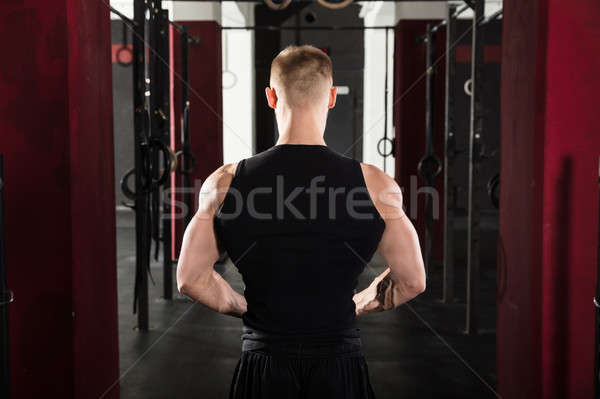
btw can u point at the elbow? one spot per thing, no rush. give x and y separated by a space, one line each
417 286
183 286
183 283
191 285
420 286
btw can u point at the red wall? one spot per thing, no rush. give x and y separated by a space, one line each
206 123
56 124
549 200
409 118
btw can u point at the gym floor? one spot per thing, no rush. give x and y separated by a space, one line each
415 351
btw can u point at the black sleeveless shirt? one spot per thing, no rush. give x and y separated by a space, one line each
299 225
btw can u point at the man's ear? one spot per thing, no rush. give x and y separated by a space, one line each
271 97
332 96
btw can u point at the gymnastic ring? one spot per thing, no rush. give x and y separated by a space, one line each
192 167
173 160
235 80
277 6
118 56
7 297
168 162
129 193
493 190
334 6
468 87
429 166
167 158
185 119
384 140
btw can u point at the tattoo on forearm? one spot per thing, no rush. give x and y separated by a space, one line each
385 293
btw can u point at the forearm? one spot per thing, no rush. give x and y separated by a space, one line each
215 293
384 293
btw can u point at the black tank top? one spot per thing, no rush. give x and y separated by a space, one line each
299 225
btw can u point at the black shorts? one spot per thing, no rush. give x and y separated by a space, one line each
294 371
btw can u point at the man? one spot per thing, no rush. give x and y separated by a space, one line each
300 222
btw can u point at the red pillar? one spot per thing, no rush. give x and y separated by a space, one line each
549 201
409 119
206 99
56 135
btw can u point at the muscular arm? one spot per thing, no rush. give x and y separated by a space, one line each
196 276
404 279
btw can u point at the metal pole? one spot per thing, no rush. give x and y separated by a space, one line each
449 160
386 93
122 16
429 98
140 302
473 232
5 298
185 126
157 116
165 84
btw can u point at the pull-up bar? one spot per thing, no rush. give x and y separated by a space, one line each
458 12
132 23
125 19
492 17
183 30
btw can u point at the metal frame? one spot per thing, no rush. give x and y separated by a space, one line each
385 139
429 166
161 93
153 157
148 126
141 203
123 17
186 154
471 3
385 102
449 160
429 144
449 147
492 17
475 147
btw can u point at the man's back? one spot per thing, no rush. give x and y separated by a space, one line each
299 224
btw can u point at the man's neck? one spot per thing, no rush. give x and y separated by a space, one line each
301 140
301 128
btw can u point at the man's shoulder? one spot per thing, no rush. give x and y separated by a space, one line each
223 175
376 177
215 187
383 189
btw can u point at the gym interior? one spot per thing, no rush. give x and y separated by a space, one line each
114 112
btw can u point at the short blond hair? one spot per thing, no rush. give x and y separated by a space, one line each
302 72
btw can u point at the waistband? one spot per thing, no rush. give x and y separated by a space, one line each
330 336
346 349
344 341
